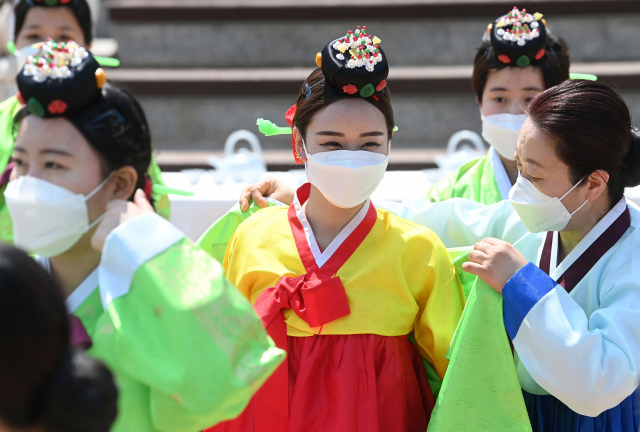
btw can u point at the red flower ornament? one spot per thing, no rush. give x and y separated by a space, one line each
57 107
504 59
381 85
350 89
540 54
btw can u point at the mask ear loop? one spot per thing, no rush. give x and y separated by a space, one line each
569 191
92 193
100 186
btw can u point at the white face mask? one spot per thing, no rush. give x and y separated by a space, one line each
502 131
346 178
47 219
24 53
538 211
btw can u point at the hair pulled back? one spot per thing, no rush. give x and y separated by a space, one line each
554 65
323 95
590 125
42 380
80 10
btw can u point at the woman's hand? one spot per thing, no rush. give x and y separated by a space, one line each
495 261
268 187
119 211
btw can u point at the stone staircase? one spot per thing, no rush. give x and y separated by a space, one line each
204 68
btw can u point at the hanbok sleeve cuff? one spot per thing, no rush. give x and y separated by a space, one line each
128 247
521 293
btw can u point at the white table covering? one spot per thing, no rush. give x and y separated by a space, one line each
193 215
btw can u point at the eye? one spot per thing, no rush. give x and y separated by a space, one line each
52 165
64 38
33 36
331 144
19 162
371 144
528 100
500 99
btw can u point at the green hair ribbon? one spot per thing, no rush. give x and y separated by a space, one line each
588 77
268 128
164 190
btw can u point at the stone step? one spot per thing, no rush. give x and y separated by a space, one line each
282 160
198 109
286 33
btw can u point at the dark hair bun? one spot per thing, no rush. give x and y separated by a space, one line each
632 160
355 64
519 38
59 79
81 396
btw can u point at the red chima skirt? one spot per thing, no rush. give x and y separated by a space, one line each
354 383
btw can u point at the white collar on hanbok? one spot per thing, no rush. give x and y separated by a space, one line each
556 270
504 184
322 257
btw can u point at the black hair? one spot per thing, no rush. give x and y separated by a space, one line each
80 9
42 380
590 125
116 127
554 65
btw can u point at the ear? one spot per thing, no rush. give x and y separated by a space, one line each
124 183
297 137
596 184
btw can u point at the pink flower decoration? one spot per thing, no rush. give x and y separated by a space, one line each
350 89
57 107
381 85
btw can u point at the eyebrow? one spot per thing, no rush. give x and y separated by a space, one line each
330 133
532 88
497 89
37 26
340 134
45 151
533 162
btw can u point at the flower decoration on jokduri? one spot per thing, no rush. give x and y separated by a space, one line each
381 85
363 49
518 38
57 107
53 60
350 89
519 26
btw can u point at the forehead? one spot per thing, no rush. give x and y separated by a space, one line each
515 78
36 134
536 147
354 114
59 16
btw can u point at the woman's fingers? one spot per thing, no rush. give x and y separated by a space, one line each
258 197
478 257
140 199
474 268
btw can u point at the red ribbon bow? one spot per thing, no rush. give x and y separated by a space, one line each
317 297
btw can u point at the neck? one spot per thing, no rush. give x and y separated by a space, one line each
326 219
73 266
590 215
511 167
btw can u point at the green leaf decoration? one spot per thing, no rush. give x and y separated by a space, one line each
523 61
164 190
268 128
367 90
35 107
11 47
51 2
